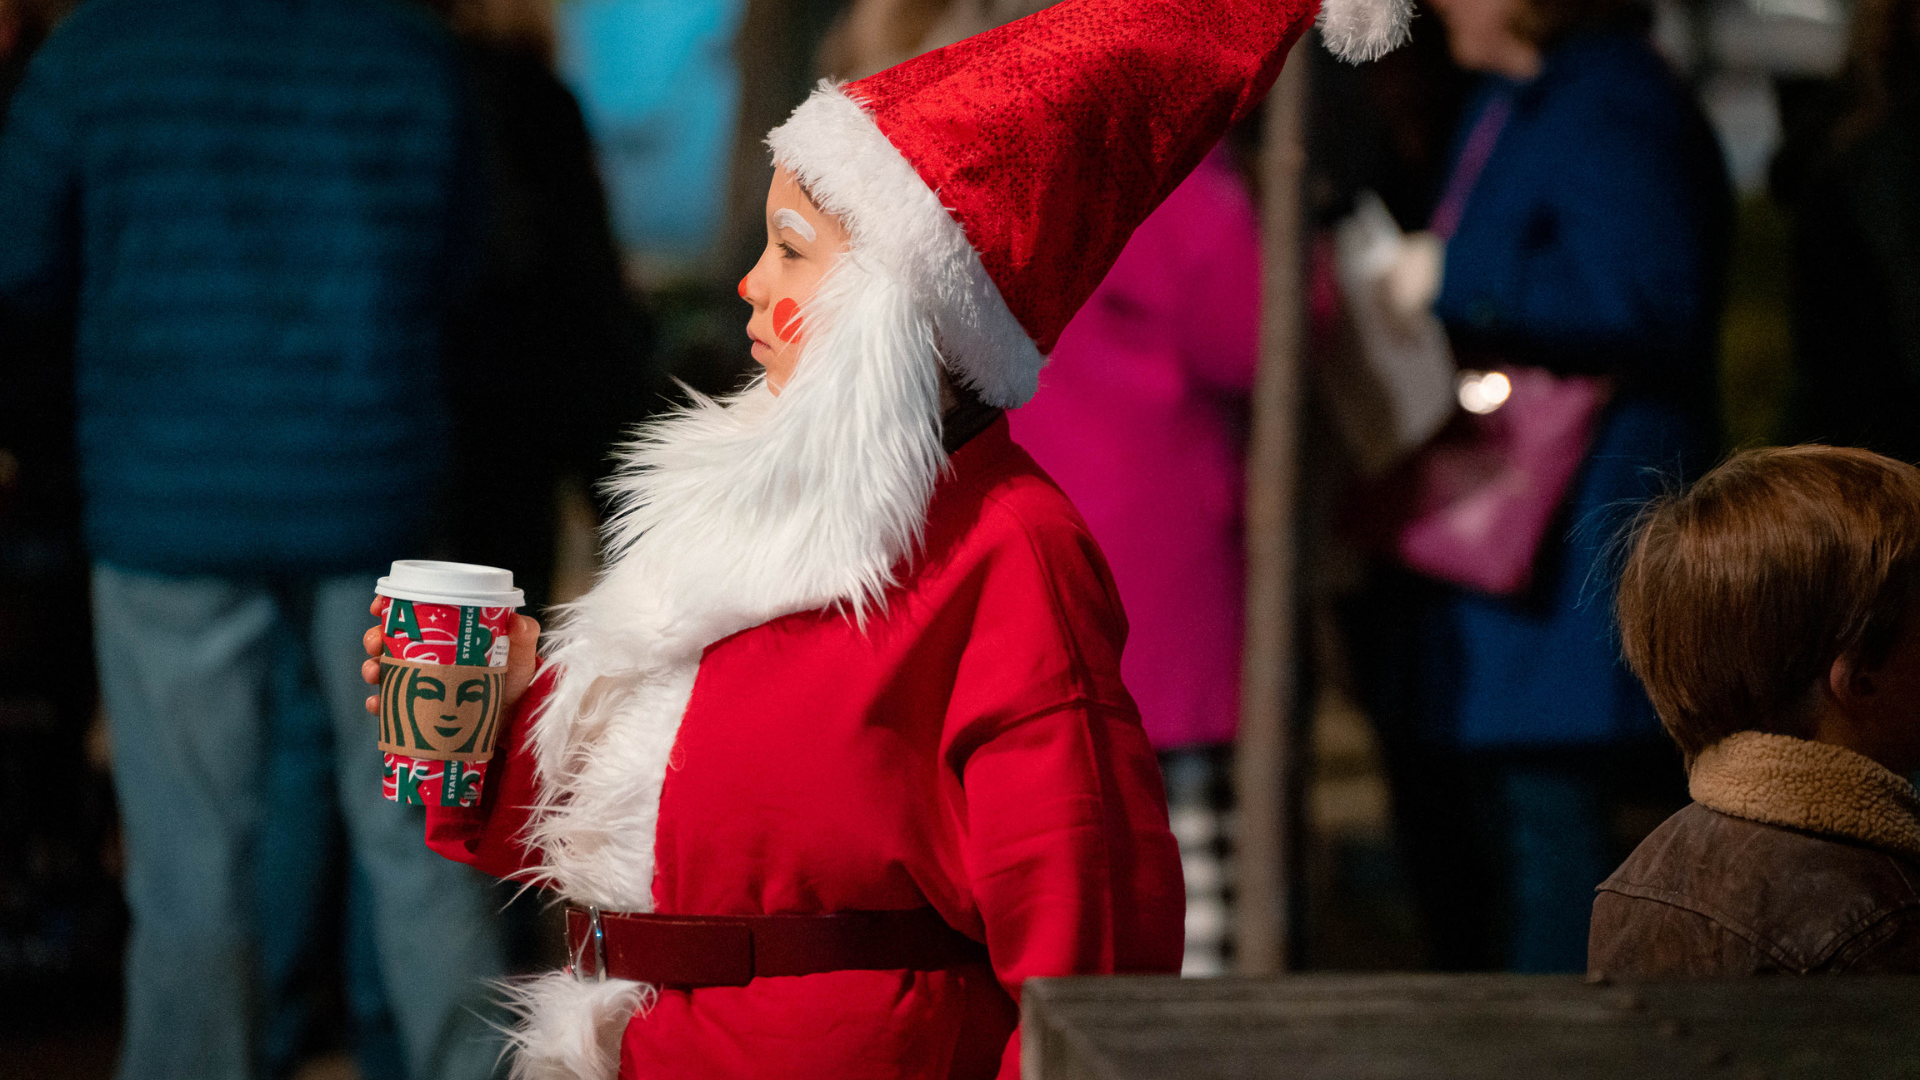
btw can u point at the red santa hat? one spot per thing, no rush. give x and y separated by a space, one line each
1000 177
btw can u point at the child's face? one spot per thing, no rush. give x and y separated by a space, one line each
803 244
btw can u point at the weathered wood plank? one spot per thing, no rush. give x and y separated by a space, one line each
1487 1027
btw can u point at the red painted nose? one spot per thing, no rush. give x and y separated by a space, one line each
742 290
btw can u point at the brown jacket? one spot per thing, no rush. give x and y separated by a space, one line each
1795 857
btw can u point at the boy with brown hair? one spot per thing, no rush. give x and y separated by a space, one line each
1768 611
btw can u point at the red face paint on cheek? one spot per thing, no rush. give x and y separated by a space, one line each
786 319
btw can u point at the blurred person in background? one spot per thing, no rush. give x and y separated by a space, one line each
547 312
1141 419
1849 172
251 214
1585 218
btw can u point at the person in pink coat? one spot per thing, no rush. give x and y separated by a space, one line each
1141 420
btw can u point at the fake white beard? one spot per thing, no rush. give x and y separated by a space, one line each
732 512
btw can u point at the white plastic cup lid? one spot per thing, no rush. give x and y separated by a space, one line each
428 581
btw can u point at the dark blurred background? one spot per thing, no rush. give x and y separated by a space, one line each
604 287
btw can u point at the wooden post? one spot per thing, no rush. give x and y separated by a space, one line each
1268 772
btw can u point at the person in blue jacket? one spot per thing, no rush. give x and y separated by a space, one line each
1585 216
250 214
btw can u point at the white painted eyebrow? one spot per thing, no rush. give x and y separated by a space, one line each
784 218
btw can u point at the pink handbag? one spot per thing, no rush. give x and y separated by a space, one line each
1473 507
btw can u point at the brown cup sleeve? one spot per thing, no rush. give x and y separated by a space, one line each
440 712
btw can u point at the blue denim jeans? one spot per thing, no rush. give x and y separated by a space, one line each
299 872
186 667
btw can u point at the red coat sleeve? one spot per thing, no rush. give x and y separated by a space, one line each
1067 846
1073 866
488 836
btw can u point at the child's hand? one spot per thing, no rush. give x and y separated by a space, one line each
523 642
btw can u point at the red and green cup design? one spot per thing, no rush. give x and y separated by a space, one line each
442 678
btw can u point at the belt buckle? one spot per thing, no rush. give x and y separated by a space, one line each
597 940
597 934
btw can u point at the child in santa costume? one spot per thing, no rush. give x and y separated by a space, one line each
836 753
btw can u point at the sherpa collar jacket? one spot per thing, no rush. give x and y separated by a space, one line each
1795 857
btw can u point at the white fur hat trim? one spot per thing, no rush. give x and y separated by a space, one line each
833 147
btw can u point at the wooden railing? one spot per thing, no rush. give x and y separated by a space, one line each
1470 1027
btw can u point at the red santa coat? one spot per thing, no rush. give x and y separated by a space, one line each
972 748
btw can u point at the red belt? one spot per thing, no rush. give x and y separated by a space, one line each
726 950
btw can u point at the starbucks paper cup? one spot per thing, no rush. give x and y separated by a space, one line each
442 675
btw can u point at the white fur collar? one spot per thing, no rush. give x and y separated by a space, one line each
731 513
